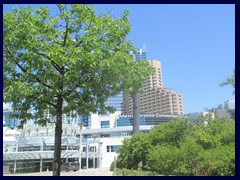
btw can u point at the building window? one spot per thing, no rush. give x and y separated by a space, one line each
104 124
113 148
105 135
124 133
124 122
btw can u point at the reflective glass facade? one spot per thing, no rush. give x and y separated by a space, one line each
104 124
85 120
143 121
10 121
115 101
141 53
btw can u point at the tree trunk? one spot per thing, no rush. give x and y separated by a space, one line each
136 112
58 139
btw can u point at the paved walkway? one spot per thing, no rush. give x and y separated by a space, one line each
84 172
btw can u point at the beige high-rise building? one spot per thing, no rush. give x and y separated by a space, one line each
156 98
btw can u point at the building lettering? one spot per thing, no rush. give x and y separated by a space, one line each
148 115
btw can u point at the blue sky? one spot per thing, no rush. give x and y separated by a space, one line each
194 42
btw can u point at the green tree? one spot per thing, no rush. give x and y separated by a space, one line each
133 151
164 159
170 133
219 161
73 61
188 151
232 113
223 130
216 143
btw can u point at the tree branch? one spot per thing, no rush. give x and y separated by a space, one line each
36 78
89 79
54 64
72 89
34 97
54 105
8 50
66 34
80 42
24 70
58 43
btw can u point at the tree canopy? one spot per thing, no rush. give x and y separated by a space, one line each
73 61
182 147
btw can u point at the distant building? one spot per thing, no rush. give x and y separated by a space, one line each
222 111
141 53
156 98
195 114
115 101
9 121
229 104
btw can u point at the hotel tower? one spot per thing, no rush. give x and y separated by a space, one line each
156 98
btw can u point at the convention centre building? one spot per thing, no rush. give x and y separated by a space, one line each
31 149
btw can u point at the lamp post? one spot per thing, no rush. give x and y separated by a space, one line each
80 144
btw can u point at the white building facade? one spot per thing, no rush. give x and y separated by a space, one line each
32 147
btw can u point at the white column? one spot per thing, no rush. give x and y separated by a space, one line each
100 155
94 153
80 155
80 144
41 163
94 135
87 148
15 162
41 156
93 156
15 166
67 150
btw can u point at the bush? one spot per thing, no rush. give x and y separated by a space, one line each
112 166
180 148
130 172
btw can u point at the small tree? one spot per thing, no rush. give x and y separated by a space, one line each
134 151
72 62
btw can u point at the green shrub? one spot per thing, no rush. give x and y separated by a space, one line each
130 172
112 166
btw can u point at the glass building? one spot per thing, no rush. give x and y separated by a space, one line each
9 121
143 121
115 101
141 53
